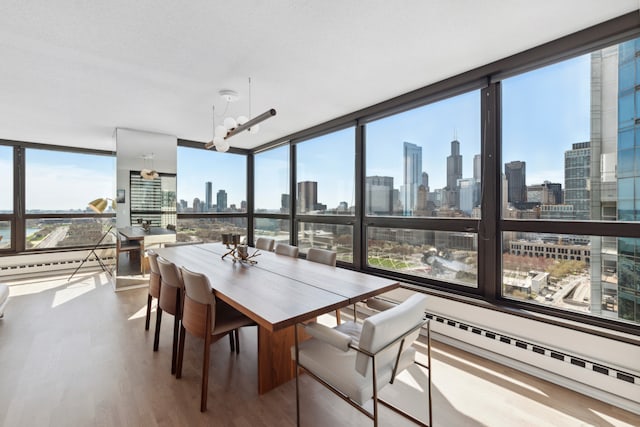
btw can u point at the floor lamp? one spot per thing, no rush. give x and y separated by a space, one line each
98 206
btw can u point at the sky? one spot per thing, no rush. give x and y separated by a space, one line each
544 112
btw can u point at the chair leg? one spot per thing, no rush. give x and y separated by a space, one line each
156 339
237 334
205 375
183 331
231 343
146 323
174 350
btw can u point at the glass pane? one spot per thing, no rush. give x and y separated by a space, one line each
209 229
272 180
51 174
5 234
277 229
338 238
586 274
209 181
6 180
426 161
441 255
45 233
326 174
559 135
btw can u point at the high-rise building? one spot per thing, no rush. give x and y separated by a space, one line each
284 203
379 195
307 196
477 167
221 201
547 193
412 159
197 205
454 173
425 181
516 174
469 194
208 195
577 179
628 175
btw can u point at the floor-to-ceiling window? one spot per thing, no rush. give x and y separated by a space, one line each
325 193
422 188
6 197
58 188
211 194
271 194
569 156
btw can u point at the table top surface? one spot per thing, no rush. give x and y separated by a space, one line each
138 233
278 291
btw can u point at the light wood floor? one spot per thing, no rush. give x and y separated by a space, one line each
77 354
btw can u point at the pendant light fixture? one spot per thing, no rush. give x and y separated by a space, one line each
146 173
233 126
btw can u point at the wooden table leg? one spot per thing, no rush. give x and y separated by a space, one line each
275 366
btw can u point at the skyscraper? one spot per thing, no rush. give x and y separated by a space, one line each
628 177
454 173
379 195
477 167
516 174
207 195
577 179
221 201
307 196
412 159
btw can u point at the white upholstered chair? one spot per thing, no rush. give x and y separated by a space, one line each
324 256
265 244
288 250
356 361
208 318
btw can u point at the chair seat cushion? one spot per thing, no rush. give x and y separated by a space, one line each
337 367
228 318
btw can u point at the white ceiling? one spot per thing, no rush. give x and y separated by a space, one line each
71 70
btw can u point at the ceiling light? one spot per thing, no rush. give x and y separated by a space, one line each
233 126
146 172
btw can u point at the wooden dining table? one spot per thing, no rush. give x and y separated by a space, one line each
276 292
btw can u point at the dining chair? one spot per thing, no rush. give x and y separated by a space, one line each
265 244
356 361
170 301
207 318
288 250
324 256
154 284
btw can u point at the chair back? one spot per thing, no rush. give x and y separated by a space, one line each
265 244
199 303
154 274
322 256
171 287
288 250
383 328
